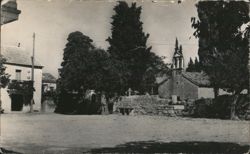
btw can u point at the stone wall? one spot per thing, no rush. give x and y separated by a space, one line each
147 105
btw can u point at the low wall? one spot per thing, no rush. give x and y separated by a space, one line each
148 105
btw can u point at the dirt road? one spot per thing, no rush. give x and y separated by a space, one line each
52 133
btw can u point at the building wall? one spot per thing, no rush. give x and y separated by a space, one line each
165 89
178 86
205 92
189 90
25 75
48 86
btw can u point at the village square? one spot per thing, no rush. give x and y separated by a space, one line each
107 76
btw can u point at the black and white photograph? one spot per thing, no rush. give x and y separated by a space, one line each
125 76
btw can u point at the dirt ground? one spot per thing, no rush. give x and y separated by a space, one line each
54 133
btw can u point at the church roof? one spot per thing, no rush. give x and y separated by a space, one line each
161 79
18 56
198 78
48 78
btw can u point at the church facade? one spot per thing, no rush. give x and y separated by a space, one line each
184 85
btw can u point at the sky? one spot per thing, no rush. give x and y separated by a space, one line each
53 20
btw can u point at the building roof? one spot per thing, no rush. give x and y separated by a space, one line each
48 78
18 56
161 79
198 78
9 11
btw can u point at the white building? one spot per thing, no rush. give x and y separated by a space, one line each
18 66
48 82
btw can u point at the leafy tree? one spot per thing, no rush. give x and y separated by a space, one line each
76 60
223 55
25 88
99 69
4 77
128 49
84 67
157 68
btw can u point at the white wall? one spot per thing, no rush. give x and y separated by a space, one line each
205 92
209 92
25 75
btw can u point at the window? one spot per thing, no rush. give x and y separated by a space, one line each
18 74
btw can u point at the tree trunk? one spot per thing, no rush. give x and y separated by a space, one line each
216 92
233 107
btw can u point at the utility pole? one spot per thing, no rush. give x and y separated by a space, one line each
32 72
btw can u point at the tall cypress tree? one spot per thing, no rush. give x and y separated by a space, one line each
223 54
75 65
128 49
190 67
197 65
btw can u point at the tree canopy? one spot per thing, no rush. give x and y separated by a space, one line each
128 46
194 66
222 53
4 77
77 63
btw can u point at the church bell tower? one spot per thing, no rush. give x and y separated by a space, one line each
177 69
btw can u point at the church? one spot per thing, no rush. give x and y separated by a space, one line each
182 85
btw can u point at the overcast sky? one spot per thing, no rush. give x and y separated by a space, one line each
53 20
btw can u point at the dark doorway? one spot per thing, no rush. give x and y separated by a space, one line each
16 102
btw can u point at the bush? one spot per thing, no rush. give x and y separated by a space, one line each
243 107
66 103
219 107
89 107
202 108
213 108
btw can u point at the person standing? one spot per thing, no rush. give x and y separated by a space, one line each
103 103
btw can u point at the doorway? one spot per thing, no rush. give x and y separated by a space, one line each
16 102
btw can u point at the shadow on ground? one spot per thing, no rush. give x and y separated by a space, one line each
175 147
4 151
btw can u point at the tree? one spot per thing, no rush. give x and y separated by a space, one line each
193 66
99 69
4 77
197 65
128 50
190 67
84 67
157 68
76 61
223 55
